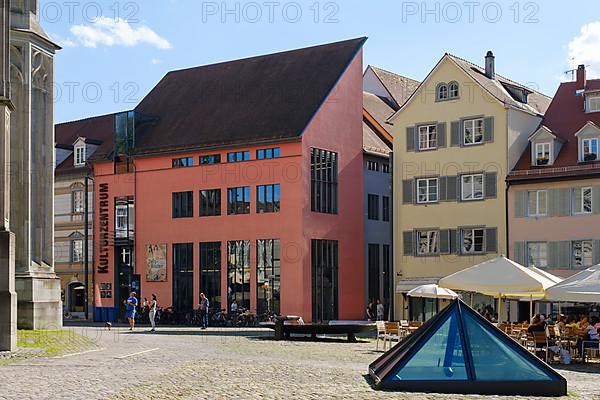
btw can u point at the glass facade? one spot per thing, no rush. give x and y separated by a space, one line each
324 255
268 198
238 200
324 181
183 275
210 273
238 273
210 203
268 276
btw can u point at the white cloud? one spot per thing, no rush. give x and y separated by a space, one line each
156 61
62 41
117 32
585 49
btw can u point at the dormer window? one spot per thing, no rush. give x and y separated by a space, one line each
79 155
542 154
593 103
589 149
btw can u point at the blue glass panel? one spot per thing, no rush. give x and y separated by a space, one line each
439 359
495 359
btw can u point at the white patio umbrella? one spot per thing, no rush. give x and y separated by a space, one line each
583 287
432 291
499 278
547 274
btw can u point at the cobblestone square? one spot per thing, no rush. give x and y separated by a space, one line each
185 363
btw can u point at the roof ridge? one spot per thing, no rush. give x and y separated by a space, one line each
393 73
214 64
508 80
87 118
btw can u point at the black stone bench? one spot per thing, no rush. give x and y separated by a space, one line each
285 326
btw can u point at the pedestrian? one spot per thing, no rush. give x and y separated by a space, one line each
380 311
204 305
370 311
152 313
130 305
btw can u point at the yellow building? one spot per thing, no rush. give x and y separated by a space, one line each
455 140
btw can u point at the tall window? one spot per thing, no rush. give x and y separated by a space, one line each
427 137
183 162
386 208
473 241
473 131
78 200
210 159
238 200
268 276
183 205
238 273
472 187
582 253
387 274
373 166
210 203
374 275
238 156
124 217
428 242
183 277
589 149
537 254
427 190
373 207
542 154
385 168
76 251
210 273
268 198
324 181
264 154
79 155
582 200
537 203
324 268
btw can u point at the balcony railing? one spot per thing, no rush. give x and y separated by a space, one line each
556 170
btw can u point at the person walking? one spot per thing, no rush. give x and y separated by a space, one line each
152 313
130 305
380 310
204 305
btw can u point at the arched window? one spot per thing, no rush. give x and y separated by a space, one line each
442 91
77 198
453 90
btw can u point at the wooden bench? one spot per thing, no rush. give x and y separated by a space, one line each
285 326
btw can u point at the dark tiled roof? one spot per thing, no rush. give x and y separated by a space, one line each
98 130
400 87
372 143
377 108
565 117
536 103
259 99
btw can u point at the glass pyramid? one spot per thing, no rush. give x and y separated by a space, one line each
458 351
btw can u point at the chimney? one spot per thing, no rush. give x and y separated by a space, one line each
490 68
581 77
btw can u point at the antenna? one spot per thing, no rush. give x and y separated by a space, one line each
573 69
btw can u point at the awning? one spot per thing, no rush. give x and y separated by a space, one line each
407 284
583 287
432 291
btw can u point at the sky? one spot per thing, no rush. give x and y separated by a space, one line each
115 51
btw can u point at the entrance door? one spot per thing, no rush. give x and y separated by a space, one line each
324 280
183 277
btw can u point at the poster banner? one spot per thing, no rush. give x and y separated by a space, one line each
156 263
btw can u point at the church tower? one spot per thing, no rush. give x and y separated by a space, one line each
32 169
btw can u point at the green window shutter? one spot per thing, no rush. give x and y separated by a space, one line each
442 192
451 187
519 253
596 199
564 202
455 133
491 182
488 129
410 138
552 200
521 204
445 241
491 240
564 254
408 191
408 244
441 134
453 240
596 252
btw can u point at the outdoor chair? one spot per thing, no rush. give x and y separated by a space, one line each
590 352
380 334
392 332
537 342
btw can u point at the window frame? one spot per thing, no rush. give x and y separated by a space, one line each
462 187
209 159
474 128
536 152
438 92
182 162
75 201
373 207
268 206
76 244
537 203
238 156
385 208
268 153
236 207
450 90
437 190
591 254
528 255
205 208
582 199
433 242
589 99
324 181
583 145
472 231
79 155
190 203
429 137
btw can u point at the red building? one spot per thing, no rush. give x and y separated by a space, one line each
242 180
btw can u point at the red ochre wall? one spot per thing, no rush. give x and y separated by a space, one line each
337 127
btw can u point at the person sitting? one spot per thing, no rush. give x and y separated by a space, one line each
537 324
562 322
589 338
